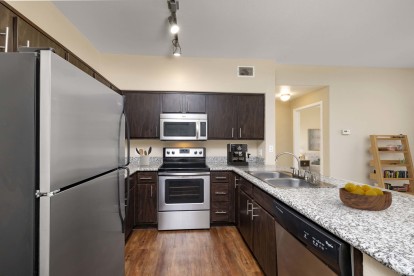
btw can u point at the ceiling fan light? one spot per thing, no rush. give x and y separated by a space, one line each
285 97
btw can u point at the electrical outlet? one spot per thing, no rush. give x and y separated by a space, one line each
346 132
271 148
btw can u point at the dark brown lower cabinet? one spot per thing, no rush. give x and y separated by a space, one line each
146 204
245 224
257 228
130 206
264 240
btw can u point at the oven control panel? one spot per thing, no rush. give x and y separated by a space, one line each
184 152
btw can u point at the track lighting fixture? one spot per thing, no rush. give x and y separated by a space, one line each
176 47
174 28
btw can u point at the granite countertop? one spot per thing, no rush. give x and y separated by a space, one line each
387 236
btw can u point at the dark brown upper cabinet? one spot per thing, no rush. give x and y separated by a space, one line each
183 103
6 21
23 33
222 116
143 113
29 36
235 116
250 117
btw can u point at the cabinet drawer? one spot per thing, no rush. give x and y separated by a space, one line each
147 177
220 177
264 199
220 211
220 192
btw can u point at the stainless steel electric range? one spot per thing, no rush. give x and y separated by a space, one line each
184 190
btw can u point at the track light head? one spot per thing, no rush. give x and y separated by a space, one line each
174 28
176 47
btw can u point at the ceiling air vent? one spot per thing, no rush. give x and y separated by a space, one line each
245 71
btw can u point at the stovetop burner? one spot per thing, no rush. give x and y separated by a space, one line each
184 160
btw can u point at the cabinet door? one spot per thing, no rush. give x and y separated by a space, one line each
245 224
6 20
264 240
222 116
143 112
146 203
26 33
172 103
251 117
195 103
130 205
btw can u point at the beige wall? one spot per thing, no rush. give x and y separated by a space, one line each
309 119
284 121
364 100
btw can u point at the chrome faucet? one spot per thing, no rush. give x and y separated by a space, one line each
289 153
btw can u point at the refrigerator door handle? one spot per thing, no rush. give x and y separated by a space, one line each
120 206
128 140
128 137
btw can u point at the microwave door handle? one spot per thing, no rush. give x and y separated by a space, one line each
198 130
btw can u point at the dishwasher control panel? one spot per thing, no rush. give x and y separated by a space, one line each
328 248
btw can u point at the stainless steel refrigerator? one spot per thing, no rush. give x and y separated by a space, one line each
61 178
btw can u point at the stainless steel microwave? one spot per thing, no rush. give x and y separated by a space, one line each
183 127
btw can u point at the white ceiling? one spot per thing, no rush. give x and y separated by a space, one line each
374 33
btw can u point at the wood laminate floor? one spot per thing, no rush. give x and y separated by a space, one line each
218 251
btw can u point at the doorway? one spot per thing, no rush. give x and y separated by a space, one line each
308 135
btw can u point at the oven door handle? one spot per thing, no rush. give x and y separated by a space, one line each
183 174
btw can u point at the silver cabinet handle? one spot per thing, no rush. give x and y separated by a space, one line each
156 131
6 40
232 132
27 44
151 190
145 178
221 177
220 193
220 212
254 208
247 207
240 133
235 182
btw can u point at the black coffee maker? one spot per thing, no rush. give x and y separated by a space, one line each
236 154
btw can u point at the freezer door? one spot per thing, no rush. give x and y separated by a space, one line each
81 231
17 163
79 124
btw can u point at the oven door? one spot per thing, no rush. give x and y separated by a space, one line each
183 191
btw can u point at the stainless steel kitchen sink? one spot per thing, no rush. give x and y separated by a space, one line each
285 180
267 175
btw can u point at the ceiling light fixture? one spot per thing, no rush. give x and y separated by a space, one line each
176 47
174 28
285 93
173 6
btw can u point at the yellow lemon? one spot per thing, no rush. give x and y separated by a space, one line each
366 187
350 187
358 191
378 191
371 192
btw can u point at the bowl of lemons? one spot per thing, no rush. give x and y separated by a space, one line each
365 197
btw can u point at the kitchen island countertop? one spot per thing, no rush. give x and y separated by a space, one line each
387 236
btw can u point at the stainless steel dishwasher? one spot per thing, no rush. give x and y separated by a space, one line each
304 248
